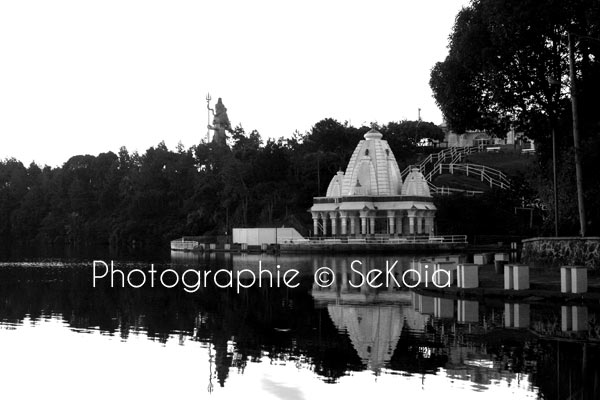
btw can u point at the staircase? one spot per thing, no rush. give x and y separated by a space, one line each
449 161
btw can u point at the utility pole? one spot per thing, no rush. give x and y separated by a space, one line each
554 178
576 145
208 99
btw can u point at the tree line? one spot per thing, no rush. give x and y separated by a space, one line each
150 198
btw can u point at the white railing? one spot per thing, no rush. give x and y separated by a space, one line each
446 191
455 154
492 176
377 239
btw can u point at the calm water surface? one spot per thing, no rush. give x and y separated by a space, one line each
62 338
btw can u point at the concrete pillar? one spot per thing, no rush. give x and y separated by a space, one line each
333 216
573 279
333 287
501 257
419 223
468 276
324 218
521 315
425 304
566 321
508 277
365 288
344 280
353 225
443 308
344 222
391 221
574 318
372 224
399 220
580 318
429 218
516 315
411 222
315 217
520 277
516 277
468 311
482 258
446 278
363 225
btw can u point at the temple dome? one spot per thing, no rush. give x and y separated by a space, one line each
372 170
335 186
415 184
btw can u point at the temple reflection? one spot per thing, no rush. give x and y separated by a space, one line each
374 331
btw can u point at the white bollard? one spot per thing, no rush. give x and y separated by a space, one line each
426 269
467 311
508 277
483 258
574 318
579 281
468 276
443 308
502 257
573 279
426 305
565 280
415 300
580 318
508 315
521 277
441 278
521 315
566 318
516 315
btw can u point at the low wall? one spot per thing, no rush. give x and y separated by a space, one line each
555 251
371 247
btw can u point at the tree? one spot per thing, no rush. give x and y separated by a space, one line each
508 65
506 58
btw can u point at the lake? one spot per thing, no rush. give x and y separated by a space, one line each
61 337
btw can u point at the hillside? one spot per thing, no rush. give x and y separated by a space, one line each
460 182
509 161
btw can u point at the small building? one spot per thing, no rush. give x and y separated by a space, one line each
468 139
370 198
260 236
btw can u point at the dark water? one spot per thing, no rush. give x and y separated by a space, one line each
60 337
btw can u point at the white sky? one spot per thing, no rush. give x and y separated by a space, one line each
84 77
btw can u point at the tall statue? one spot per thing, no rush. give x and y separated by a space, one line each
220 122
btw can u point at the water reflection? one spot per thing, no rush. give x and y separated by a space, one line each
336 334
373 331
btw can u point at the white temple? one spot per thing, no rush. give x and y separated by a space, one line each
370 197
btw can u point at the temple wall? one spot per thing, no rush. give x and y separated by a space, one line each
562 251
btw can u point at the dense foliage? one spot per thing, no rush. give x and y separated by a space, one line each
153 197
508 66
